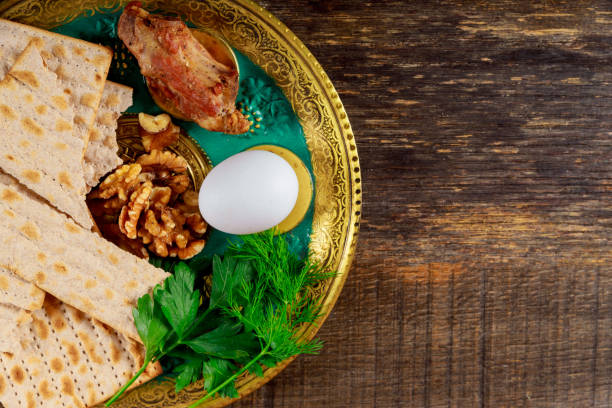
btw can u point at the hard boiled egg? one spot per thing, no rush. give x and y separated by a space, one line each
249 192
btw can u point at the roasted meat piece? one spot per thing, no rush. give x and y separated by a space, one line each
181 72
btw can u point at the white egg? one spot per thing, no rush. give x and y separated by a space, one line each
249 192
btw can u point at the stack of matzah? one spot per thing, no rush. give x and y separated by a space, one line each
67 336
80 69
75 265
67 360
37 123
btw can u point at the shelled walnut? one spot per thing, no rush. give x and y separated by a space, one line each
149 203
160 197
120 183
158 161
188 202
157 132
165 169
168 232
130 213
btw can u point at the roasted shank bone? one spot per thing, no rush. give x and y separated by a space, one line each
181 71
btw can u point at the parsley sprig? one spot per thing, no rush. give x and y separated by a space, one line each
260 300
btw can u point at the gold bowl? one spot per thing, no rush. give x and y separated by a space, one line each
337 181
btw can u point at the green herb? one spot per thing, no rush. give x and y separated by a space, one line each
259 301
178 300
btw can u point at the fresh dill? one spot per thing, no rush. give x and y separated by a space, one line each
260 298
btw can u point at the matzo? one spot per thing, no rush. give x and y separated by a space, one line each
75 265
30 70
17 292
101 153
71 361
81 67
11 318
33 131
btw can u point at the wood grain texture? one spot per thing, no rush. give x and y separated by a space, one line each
483 274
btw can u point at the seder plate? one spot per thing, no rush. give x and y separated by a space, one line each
336 207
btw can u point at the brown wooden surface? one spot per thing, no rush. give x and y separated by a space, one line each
483 271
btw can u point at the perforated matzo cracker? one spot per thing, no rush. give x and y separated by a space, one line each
17 292
71 361
81 67
76 265
101 154
37 143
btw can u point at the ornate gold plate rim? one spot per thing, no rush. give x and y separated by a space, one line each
271 45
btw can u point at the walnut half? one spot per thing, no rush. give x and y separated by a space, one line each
157 132
153 124
191 250
158 161
120 183
130 213
169 232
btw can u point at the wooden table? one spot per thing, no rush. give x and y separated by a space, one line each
484 266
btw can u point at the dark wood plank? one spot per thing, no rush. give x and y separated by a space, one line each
484 270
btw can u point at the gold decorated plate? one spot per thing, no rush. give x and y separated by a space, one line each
257 34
